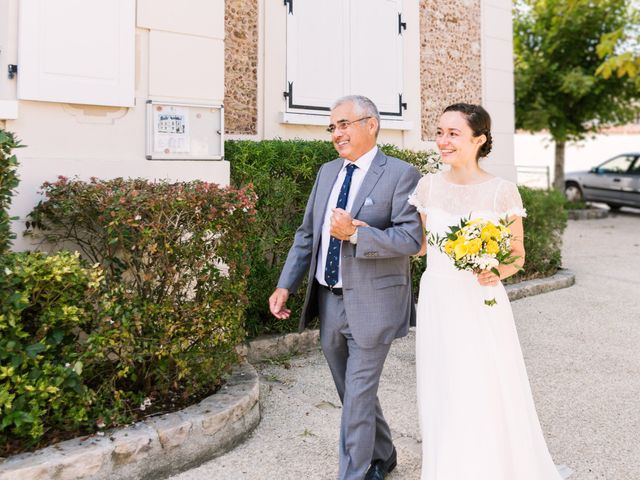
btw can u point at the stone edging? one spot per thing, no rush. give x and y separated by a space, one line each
154 448
562 279
273 346
587 214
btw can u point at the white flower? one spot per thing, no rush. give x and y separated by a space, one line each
146 403
67 365
137 217
487 262
7 271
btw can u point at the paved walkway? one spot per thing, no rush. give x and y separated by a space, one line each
581 346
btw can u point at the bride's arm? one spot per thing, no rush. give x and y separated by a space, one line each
517 250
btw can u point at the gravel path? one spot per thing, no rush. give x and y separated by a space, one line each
581 347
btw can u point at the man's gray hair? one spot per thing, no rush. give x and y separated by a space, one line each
363 107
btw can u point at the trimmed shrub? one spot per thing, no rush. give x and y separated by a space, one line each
45 302
282 173
544 225
174 257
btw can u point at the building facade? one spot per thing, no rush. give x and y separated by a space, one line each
151 88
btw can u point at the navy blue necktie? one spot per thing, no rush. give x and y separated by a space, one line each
333 254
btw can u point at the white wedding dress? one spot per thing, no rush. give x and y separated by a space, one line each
477 415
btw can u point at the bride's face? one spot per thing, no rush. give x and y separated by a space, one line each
455 139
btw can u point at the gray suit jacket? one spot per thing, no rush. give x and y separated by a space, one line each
376 279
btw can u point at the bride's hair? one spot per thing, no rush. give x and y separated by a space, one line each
478 120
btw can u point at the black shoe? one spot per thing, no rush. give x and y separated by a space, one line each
380 469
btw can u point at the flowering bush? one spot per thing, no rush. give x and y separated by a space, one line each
175 275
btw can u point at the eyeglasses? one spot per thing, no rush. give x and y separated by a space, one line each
342 125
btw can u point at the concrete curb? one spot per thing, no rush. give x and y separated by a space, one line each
587 214
273 346
562 279
155 448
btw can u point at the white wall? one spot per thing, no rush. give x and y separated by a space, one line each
497 84
107 142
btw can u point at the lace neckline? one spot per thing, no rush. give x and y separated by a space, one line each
443 179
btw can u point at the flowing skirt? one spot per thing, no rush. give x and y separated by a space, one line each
477 415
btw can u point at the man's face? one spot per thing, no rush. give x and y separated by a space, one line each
353 135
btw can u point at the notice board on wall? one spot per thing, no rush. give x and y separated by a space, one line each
184 131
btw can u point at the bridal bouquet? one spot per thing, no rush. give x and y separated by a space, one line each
477 245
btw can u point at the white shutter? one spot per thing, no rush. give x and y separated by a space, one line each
77 51
375 63
316 50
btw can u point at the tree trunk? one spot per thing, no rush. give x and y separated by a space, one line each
558 180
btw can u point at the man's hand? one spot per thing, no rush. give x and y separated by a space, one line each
359 223
277 302
342 226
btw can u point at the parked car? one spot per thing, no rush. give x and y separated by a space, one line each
615 182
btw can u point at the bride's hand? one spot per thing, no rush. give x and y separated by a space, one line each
487 278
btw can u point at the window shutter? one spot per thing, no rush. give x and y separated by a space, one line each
77 51
375 62
316 51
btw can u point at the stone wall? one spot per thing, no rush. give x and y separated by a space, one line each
241 67
450 57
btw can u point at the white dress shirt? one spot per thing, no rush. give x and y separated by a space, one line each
363 163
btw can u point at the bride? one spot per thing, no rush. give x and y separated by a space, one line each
477 415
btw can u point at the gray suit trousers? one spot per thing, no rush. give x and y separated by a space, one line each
364 433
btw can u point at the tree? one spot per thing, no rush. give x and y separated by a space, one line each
620 51
557 89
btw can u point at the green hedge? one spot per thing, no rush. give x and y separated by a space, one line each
544 225
282 173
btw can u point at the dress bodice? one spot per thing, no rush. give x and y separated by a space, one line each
445 204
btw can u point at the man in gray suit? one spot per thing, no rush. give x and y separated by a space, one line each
359 284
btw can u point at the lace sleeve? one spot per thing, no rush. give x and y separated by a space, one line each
508 201
420 196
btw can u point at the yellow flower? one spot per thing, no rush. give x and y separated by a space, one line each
489 231
449 246
474 246
461 250
493 247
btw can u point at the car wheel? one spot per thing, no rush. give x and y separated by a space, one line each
614 206
572 192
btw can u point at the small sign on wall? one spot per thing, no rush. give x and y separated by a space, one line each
181 131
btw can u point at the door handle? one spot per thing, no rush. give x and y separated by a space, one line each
617 180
